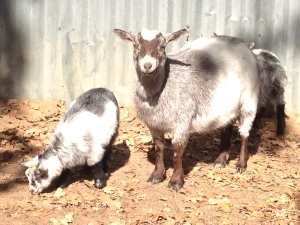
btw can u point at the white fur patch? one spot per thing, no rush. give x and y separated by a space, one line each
245 128
199 43
221 110
72 103
101 129
149 35
148 59
259 51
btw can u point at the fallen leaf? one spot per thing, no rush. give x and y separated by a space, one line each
214 201
108 190
226 207
115 205
277 143
64 221
59 193
69 217
167 209
54 221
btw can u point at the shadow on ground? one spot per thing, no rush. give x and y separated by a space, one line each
204 148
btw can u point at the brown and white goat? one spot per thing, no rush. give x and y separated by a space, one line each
207 85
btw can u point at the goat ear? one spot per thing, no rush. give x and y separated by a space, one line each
250 44
124 35
214 34
175 35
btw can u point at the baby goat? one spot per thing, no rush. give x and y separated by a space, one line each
207 85
272 82
83 136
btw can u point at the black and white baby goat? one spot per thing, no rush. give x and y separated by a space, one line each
272 82
84 136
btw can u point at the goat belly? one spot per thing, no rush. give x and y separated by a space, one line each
203 124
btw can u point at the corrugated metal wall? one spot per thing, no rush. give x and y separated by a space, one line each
59 49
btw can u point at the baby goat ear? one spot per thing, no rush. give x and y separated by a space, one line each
175 35
31 163
124 35
26 164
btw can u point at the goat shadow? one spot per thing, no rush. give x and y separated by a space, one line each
204 148
119 157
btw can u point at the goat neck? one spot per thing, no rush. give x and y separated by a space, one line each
149 88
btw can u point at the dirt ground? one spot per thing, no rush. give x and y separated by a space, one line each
266 193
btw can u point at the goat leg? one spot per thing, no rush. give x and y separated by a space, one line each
176 181
159 171
99 175
259 115
241 165
64 178
280 114
225 147
106 158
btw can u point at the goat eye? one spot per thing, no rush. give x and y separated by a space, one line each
162 48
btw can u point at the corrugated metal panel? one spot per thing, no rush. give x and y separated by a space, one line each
59 49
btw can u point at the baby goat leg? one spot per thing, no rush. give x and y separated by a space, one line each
99 175
241 165
159 171
225 147
280 120
64 178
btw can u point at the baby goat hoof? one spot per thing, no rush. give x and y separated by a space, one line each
64 184
64 179
100 184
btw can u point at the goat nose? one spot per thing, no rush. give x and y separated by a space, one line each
147 65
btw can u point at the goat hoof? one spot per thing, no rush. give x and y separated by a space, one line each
154 180
240 169
219 165
100 183
64 184
280 132
175 186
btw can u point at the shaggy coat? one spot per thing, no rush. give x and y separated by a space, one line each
207 85
83 136
273 79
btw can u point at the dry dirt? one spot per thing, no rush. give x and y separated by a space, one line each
266 193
